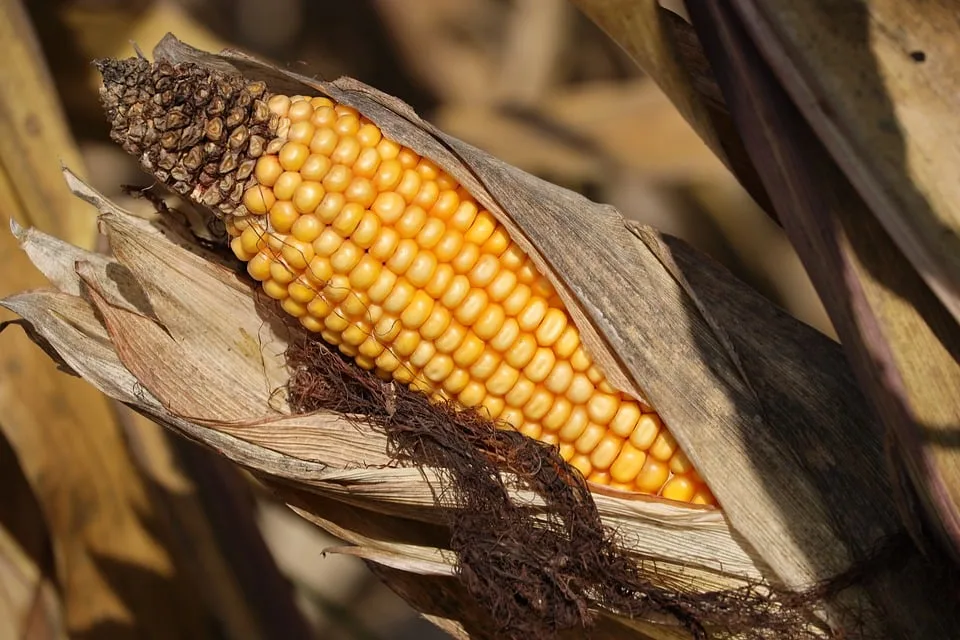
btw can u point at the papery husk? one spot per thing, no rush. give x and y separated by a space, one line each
762 404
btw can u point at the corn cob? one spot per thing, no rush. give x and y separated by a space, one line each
386 256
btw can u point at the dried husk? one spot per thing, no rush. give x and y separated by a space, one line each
764 406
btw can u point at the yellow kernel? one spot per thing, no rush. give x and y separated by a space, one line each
367 164
520 393
281 273
348 124
387 362
507 334
442 277
305 228
387 329
302 290
369 135
331 337
468 311
538 404
503 379
484 271
437 323
576 424
567 343
625 420
274 289
364 362
365 273
338 178
386 244
653 475
300 111
338 288
532 314
540 365
422 354
403 256
293 155
463 217
346 257
371 347
544 288
366 230
315 167
279 105
259 266
275 241
517 300
406 343
522 351
319 271
447 203
236 245
349 217
400 297
319 308
430 234
267 170
580 389
355 334
323 115
447 182
457 291
469 350
287 184
324 141
485 365
702 495
449 245
602 408
258 199
628 464
361 191
490 321
385 283
252 239
481 229
311 324
297 254
417 312
560 377
664 446
590 438
579 360
679 488
606 451
411 222
473 394
582 464
502 285
646 432
389 206
456 381
452 338
421 270
497 243
512 417
551 327
409 185
388 175
300 132
307 197
531 430
558 415
330 207
408 158
327 243
679 463
513 257
438 368
427 169
464 261
566 450
428 194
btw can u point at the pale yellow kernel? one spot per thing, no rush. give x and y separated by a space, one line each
452 338
324 141
456 292
664 446
400 297
366 230
319 271
275 241
297 254
646 431
503 379
456 381
522 351
512 416
497 243
582 464
517 301
567 343
560 377
338 178
473 394
520 393
417 312
367 164
293 155
531 430
409 186
466 258
319 308
575 426
302 290
463 217
305 228
540 365
323 115
258 199
365 273
311 324
438 368
267 170
283 215
513 257
346 257
446 204
389 206
469 310
679 488
602 407
680 464
579 360
442 277
422 354
388 175
384 284
626 418
307 196
348 124
558 415
387 328
236 245
484 271
486 365
252 239
507 334
580 389
538 404
449 245
551 327
406 343
437 323
421 269
330 207
355 334
408 158
411 222
279 104
502 285
347 150
287 184
281 273
403 256
385 245
300 111
361 191
628 463
469 351
259 266
274 289
301 132
481 229
653 475
338 288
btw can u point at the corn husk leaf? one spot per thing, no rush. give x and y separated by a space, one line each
764 406
858 246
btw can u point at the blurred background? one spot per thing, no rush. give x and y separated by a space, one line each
111 529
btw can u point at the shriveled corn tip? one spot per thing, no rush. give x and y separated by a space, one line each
461 311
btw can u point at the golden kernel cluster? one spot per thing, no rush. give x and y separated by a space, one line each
389 258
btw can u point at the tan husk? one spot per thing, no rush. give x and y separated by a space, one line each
764 406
